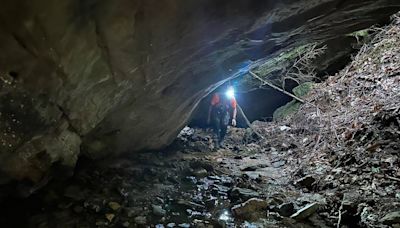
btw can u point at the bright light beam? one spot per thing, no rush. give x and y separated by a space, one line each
230 93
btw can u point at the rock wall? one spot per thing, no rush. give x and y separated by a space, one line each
106 77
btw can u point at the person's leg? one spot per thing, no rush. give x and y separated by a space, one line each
224 126
216 127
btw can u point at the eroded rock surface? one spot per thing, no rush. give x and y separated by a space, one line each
121 76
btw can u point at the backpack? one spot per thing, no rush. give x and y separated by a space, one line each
223 105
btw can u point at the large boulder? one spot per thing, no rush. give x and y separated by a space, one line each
106 77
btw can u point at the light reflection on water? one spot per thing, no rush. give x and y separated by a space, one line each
225 216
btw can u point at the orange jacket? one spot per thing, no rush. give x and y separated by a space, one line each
216 99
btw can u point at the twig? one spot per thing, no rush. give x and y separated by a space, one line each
346 72
317 143
376 145
393 178
275 87
340 214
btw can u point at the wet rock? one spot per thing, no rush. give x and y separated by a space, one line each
114 206
312 198
110 217
278 164
273 150
305 212
124 193
284 128
189 204
200 173
93 204
391 218
227 181
185 133
140 220
202 224
350 202
306 182
158 210
252 176
126 224
193 213
211 203
224 180
173 180
215 178
275 201
201 165
220 189
252 209
160 200
286 209
199 146
243 194
250 168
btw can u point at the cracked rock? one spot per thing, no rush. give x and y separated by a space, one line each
307 182
305 212
391 218
251 209
243 193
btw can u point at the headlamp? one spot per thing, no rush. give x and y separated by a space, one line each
230 93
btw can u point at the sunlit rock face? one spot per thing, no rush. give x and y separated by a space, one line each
104 77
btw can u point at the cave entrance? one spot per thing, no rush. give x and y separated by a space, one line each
257 104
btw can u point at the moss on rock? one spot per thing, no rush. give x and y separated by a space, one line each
286 110
303 89
293 106
283 60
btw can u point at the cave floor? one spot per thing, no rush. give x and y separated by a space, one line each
251 182
189 184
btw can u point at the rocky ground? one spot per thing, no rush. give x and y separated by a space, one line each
335 163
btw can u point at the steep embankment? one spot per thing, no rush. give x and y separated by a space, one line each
120 76
344 143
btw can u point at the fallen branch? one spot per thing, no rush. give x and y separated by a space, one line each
275 87
248 122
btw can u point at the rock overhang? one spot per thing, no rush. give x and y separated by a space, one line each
106 77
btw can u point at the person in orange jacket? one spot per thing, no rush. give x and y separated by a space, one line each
221 111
